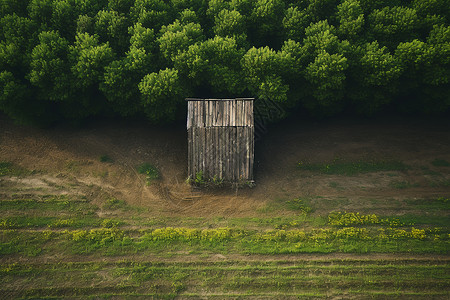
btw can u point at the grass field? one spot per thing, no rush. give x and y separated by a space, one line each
339 211
59 246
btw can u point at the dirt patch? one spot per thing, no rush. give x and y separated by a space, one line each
67 160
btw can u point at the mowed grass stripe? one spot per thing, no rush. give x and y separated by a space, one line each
259 278
438 272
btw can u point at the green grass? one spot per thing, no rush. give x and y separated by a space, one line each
151 172
5 168
8 168
106 158
349 168
433 204
300 205
51 203
230 279
402 184
125 253
440 163
114 204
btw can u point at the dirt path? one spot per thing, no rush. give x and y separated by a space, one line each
67 161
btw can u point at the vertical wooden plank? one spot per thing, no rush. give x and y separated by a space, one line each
193 149
208 149
194 119
233 154
224 113
220 153
221 113
211 155
244 151
252 121
227 113
211 144
196 137
206 113
252 151
230 153
201 113
247 159
241 116
244 113
194 152
239 154
219 150
200 150
189 115
217 113
247 113
216 108
199 105
238 112
194 112
225 154
189 151
210 113
197 150
252 139
226 148
232 113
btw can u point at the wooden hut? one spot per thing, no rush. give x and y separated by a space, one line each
221 138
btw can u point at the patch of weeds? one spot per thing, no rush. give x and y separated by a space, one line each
432 173
72 165
298 204
432 220
335 185
217 181
440 204
356 219
150 171
403 184
440 163
102 174
114 204
199 179
340 167
110 223
106 159
25 222
5 168
440 183
60 223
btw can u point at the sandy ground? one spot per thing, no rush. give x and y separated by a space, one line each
66 160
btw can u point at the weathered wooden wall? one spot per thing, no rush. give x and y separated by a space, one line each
221 138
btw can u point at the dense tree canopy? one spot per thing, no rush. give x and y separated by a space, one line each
73 59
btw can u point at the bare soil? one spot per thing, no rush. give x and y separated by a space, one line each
64 160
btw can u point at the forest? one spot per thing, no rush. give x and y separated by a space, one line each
74 59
